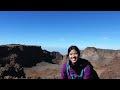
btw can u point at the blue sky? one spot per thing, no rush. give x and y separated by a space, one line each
57 30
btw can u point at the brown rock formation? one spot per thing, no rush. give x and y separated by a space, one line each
100 57
27 56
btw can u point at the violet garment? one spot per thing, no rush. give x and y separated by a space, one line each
87 74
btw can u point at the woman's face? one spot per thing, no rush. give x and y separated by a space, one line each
73 56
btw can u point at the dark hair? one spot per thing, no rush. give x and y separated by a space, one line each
75 48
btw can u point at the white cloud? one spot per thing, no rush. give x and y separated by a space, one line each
62 39
106 38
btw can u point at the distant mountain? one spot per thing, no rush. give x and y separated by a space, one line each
61 50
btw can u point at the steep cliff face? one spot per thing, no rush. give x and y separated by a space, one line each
53 57
26 55
100 57
57 57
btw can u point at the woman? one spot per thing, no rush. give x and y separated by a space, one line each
76 67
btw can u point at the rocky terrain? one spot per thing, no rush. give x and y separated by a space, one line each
105 61
14 58
32 62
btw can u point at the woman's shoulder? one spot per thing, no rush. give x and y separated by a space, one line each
64 65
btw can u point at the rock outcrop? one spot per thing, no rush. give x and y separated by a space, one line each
100 57
11 69
27 55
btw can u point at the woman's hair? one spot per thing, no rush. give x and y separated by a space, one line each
75 48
